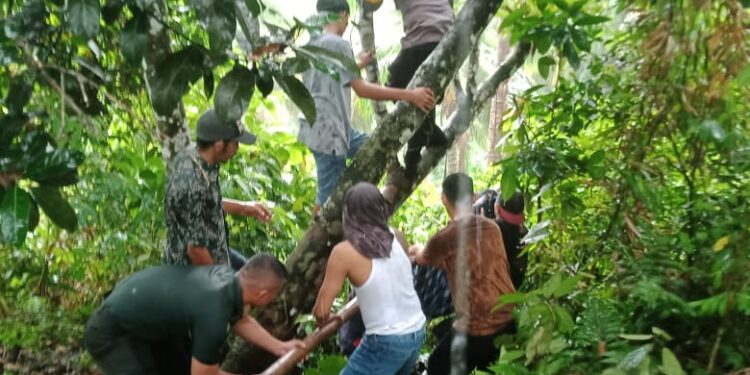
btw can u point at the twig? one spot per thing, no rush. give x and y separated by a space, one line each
33 62
715 350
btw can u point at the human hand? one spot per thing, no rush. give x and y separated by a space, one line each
257 210
364 57
422 98
287 346
414 250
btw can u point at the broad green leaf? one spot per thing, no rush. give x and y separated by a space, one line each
234 93
83 17
18 95
135 39
514 298
15 212
338 59
669 363
264 85
174 75
635 358
537 233
595 165
549 288
47 164
544 64
221 23
298 93
509 181
564 320
580 39
562 5
588 19
571 54
33 217
55 207
208 83
254 6
567 286
10 126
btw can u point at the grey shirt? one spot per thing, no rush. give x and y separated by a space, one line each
330 133
193 210
425 21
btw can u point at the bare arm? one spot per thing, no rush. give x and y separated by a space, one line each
416 252
254 209
199 256
249 329
421 97
199 368
332 283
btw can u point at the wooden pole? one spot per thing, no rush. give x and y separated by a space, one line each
287 362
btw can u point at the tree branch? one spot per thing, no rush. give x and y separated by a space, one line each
367 36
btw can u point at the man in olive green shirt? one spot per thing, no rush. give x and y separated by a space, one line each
153 310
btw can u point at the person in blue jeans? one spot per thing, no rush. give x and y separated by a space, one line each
373 258
331 137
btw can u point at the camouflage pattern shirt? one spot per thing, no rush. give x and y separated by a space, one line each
193 210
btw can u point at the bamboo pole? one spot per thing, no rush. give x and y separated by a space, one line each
287 362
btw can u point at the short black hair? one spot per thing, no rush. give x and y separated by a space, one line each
458 188
262 264
202 144
334 6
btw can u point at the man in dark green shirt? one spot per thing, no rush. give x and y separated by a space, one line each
156 308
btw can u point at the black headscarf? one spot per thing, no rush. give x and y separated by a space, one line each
365 217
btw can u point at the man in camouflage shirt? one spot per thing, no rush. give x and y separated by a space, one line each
194 208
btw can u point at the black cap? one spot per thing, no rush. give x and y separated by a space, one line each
332 6
212 128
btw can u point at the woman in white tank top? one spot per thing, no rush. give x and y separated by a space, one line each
374 260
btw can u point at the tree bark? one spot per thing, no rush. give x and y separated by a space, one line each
306 264
172 127
367 36
499 105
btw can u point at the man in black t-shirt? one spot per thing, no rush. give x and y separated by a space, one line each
154 309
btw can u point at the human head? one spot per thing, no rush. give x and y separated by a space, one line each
261 279
340 7
511 210
365 220
221 138
458 193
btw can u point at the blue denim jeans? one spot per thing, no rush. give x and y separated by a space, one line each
330 167
385 355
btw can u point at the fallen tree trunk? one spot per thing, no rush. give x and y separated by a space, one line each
287 362
307 262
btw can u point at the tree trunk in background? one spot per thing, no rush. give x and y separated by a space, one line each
306 264
367 36
172 127
498 107
453 159
456 157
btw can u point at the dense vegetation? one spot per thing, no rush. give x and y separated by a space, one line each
631 147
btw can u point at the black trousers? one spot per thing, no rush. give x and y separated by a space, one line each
117 352
480 352
401 72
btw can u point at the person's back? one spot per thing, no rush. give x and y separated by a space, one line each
330 133
387 303
425 21
480 239
375 263
168 300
